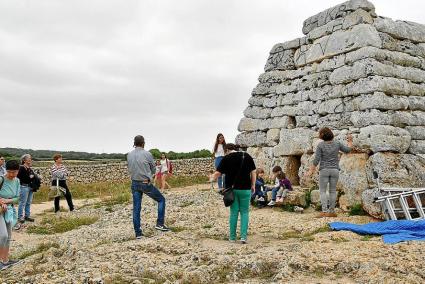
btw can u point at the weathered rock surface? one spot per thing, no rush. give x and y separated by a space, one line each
197 249
353 72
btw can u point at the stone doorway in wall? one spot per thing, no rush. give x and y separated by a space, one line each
292 167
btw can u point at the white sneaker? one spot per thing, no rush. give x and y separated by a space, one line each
243 241
271 203
261 199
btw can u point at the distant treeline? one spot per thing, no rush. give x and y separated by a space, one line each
41 155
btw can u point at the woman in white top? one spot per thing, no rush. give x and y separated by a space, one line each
218 150
165 171
59 174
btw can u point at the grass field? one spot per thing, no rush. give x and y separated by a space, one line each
104 189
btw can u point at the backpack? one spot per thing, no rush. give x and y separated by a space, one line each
35 183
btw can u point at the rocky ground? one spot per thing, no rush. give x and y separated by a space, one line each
283 247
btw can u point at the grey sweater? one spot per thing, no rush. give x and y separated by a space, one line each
327 153
140 164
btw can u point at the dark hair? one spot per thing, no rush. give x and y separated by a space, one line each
326 134
57 157
139 141
276 169
12 165
216 142
281 175
231 147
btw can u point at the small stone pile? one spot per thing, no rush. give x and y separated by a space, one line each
354 72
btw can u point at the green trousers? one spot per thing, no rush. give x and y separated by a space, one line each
240 205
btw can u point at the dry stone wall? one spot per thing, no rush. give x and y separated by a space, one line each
112 172
354 72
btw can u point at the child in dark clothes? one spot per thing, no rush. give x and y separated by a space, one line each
259 186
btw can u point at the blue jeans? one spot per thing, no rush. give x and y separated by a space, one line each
217 162
25 199
274 191
137 189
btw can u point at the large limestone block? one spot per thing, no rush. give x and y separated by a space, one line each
397 170
256 101
257 112
380 138
295 142
331 106
368 204
296 198
306 162
335 121
302 108
401 29
279 76
250 124
336 12
395 118
390 86
406 46
377 100
359 16
273 136
417 147
383 55
337 43
367 67
264 89
292 99
352 177
280 59
306 121
417 132
250 139
262 156
416 103
278 122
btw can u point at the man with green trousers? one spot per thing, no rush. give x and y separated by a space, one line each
239 170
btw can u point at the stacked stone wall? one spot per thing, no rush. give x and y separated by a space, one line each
113 172
356 73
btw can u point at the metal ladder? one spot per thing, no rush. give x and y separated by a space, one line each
390 207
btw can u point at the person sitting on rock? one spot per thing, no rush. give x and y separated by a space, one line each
278 175
259 187
284 187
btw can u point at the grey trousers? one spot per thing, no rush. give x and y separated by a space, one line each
5 232
328 177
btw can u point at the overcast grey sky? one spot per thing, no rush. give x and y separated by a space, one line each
88 75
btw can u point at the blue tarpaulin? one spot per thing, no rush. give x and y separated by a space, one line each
393 231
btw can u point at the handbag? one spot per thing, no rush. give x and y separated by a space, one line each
228 194
56 191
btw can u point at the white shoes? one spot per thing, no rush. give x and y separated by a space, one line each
261 199
271 203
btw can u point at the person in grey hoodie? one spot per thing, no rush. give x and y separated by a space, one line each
327 154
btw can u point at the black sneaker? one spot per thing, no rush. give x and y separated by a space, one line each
162 228
21 220
29 219
139 236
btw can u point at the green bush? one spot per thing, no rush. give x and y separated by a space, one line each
357 209
52 225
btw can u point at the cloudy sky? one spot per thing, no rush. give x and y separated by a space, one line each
88 75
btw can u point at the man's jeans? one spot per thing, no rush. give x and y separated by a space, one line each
138 189
25 199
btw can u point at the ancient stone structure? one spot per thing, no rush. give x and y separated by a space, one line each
353 72
113 172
